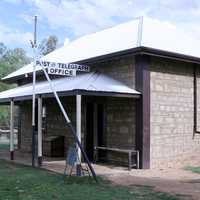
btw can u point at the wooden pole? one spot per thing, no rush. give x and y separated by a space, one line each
39 131
78 132
12 130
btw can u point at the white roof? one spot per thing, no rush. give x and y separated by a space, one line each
155 34
93 82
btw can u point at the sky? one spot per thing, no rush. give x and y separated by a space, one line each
70 19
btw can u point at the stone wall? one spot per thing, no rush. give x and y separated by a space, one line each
120 127
122 69
120 123
120 113
172 114
120 119
26 127
119 131
55 122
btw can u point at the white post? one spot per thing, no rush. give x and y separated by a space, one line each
39 131
12 130
78 130
33 96
140 29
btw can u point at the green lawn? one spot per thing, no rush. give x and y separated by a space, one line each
193 169
25 183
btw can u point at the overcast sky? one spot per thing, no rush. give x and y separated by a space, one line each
73 18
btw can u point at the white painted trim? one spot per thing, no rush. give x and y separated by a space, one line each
78 123
39 127
11 125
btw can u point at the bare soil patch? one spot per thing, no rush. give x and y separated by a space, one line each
180 182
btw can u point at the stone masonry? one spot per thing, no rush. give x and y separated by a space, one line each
120 127
172 114
173 141
55 122
122 69
120 112
26 126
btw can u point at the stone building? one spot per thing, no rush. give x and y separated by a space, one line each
142 93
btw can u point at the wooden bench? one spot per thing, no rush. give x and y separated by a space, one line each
130 153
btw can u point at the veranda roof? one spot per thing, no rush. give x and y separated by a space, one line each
94 83
155 34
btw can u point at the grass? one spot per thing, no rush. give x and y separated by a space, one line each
193 169
18 182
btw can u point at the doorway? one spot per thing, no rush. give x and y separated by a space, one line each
95 124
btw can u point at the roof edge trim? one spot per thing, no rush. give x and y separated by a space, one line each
134 51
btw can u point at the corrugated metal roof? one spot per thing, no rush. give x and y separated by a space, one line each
95 82
155 34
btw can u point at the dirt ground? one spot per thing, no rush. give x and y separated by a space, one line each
180 182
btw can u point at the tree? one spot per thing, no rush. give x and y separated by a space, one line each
13 59
48 45
2 49
10 60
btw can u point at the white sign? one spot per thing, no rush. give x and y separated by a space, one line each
63 72
63 68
